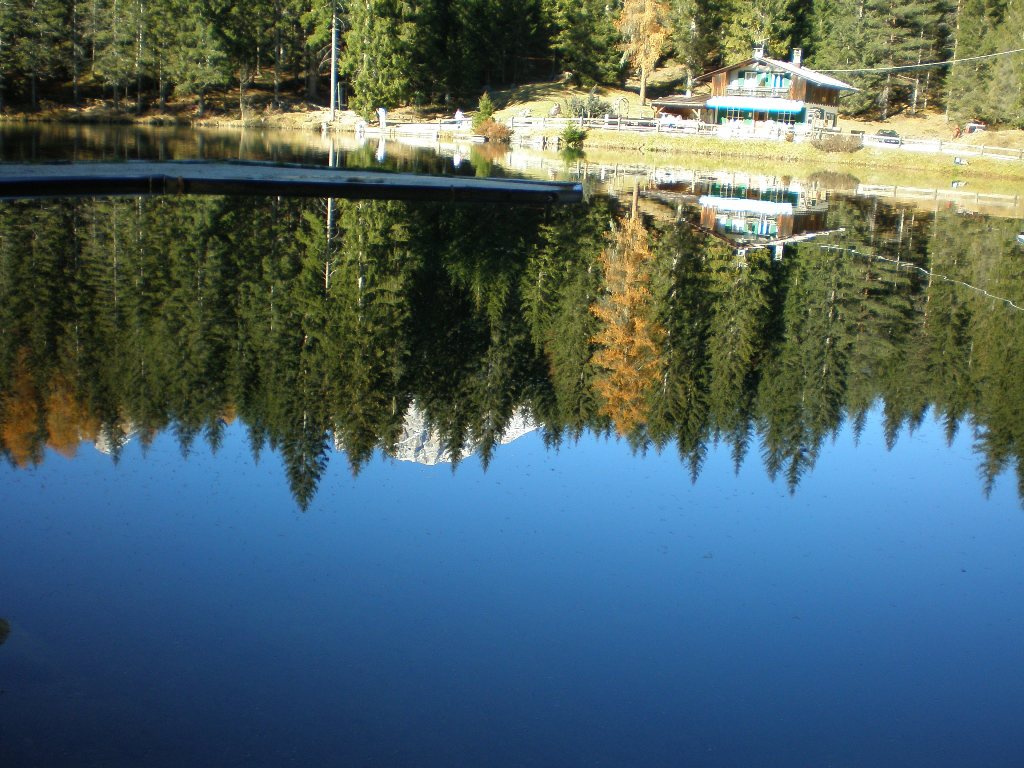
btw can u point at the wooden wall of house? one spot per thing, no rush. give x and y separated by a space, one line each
816 221
708 215
719 84
785 225
801 90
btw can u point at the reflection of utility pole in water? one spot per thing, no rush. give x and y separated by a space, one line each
5 630
329 255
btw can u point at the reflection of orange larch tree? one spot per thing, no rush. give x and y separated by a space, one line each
29 420
629 338
22 430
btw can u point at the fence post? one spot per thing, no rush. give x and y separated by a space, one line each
981 153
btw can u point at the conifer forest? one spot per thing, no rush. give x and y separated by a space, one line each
137 54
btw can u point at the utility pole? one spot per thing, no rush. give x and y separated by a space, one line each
334 58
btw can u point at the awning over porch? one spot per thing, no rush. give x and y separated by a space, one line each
755 103
741 205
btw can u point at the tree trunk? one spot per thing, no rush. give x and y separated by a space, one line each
312 84
74 52
643 86
278 55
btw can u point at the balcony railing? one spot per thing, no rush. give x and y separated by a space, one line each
772 93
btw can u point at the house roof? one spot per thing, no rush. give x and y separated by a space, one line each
784 66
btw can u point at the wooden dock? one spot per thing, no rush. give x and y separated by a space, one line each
184 177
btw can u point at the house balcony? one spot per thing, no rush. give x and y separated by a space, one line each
769 93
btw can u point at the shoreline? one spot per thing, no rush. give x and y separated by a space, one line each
643 146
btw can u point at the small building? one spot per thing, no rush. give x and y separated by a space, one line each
762 92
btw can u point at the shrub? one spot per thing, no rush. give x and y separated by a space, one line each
494 131
573 136
591 106
837 143
484 112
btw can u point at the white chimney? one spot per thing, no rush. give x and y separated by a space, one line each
758 50
798 55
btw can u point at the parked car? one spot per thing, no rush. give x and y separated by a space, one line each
974 126
889 136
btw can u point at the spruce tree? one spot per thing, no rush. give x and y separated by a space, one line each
694 28
196 61
38 47
378 58
756 22
583 40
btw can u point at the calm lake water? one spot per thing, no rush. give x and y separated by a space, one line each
725 474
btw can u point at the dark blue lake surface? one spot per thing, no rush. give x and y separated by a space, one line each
584 607
737 481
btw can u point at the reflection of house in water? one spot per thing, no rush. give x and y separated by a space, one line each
750 212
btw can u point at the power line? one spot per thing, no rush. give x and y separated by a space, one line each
921 66
901 264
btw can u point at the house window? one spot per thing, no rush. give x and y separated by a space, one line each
752 80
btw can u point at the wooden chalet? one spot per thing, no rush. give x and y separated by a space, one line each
762 90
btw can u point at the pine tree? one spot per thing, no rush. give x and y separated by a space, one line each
694 25
8 34
901 32
196 61
583 40
377 56
1006 88
768 23
42 26
115 44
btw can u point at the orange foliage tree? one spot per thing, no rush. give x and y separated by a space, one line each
644 29
629 339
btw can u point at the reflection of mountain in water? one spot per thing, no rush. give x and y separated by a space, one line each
423 444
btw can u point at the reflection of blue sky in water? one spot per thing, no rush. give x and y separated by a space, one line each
571 608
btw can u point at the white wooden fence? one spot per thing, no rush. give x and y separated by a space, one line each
694 128
945 147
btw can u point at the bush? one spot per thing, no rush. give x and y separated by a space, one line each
837 143
492 130
591 106
573 137
484 112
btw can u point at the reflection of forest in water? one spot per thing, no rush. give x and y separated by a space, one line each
320 325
